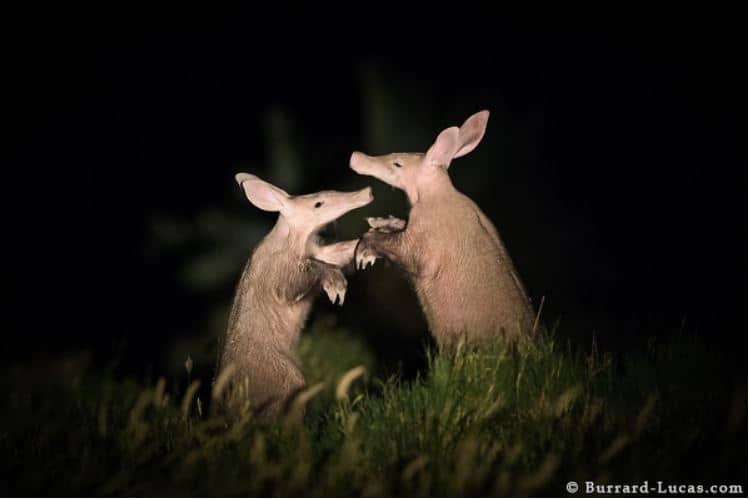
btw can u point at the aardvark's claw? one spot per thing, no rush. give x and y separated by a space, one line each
335 288
365 258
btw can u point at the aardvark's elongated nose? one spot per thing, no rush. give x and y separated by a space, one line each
365 195
356 160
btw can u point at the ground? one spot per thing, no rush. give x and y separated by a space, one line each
490 421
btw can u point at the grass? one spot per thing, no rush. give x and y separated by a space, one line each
491 421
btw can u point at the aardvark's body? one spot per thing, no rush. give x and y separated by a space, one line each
275 294
464 278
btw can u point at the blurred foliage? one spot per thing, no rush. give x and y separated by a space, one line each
491 421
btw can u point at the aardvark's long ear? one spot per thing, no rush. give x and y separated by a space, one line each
442 152
262 194
471 132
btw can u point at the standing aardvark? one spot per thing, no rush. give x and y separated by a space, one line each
463 276
274 295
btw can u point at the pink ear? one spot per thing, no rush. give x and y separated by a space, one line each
442 152
262 194
471 132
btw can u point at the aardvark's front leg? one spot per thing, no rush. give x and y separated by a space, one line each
315 274
388 224
385 240
334 284
337 254
374 245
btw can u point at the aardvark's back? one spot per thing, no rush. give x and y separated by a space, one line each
468 286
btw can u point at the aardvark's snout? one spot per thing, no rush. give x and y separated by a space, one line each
364 196
358 161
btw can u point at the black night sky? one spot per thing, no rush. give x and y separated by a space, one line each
614 164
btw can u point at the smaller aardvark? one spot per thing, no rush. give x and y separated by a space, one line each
275 293
463 276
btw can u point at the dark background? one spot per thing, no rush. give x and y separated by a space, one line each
614 165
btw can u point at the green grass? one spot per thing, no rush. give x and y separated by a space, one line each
492 421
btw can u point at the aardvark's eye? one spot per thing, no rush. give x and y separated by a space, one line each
319 204
396 164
